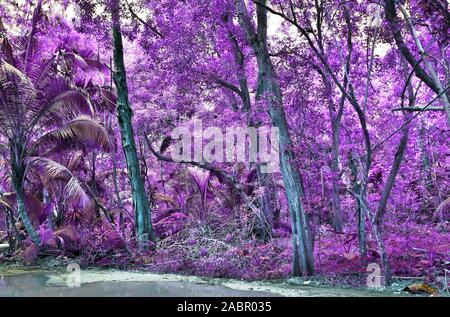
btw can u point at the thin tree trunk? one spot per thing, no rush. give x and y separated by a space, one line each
46 201
59 220
360 212
386 272
335 119
12 233
267 200
434 173
425 158
336 220
399 154
18 174
376 220
266 204
143 226
269 88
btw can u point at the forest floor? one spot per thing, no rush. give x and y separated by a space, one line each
418 254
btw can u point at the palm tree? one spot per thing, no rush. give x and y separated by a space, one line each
25 112
36 95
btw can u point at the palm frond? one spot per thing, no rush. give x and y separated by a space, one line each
4 202
75 160
59 102
74 190
4 150
9 71
201 179
16 92
30 48
57 172
79 131
6 50
86 62
108 100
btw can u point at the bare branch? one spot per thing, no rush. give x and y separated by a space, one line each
147 24
410 119
412 109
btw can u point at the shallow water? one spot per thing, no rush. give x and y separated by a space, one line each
125 283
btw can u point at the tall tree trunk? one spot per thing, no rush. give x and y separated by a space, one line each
425 158
336 219
267 200
360 212
18 173
266 204
117 192
269 88
385 270
398 158
335 119
377 219
143 226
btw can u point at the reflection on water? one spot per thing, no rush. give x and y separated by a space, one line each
127 283
35 284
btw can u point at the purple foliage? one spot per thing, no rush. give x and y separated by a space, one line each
366 118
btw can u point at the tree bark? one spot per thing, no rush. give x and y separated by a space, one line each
425 158
360 212
267 200
143 226
266 204
269 88
18 174
336 219
398 158
377 219
386 272
335 119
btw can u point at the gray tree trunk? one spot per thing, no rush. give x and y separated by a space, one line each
143 226
267 204
335 119
336 219
267 201
269 88
425 157
360 211
18 173
398 158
